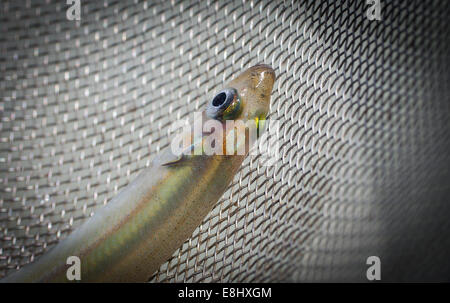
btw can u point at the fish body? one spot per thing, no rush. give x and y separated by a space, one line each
128 239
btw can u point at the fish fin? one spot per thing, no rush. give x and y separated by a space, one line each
167 157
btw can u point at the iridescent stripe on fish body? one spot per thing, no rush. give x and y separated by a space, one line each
128 239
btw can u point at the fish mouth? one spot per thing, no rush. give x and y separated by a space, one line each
254 87
259 79
265 73
264 68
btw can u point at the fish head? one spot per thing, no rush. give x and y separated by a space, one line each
246 97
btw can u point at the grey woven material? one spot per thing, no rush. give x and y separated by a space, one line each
364 138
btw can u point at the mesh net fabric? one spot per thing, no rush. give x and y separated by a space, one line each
363 108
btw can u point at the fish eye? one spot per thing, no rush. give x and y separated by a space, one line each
225 99
219 99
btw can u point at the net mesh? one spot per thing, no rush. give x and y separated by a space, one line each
364 136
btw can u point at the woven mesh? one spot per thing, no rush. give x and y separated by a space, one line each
363 109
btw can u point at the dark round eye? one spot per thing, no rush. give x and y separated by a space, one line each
220 103
219 99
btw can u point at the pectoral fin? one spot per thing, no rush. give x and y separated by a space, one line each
167 157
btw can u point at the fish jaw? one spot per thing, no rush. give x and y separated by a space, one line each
254 87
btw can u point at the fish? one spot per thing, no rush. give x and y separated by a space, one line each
129 238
